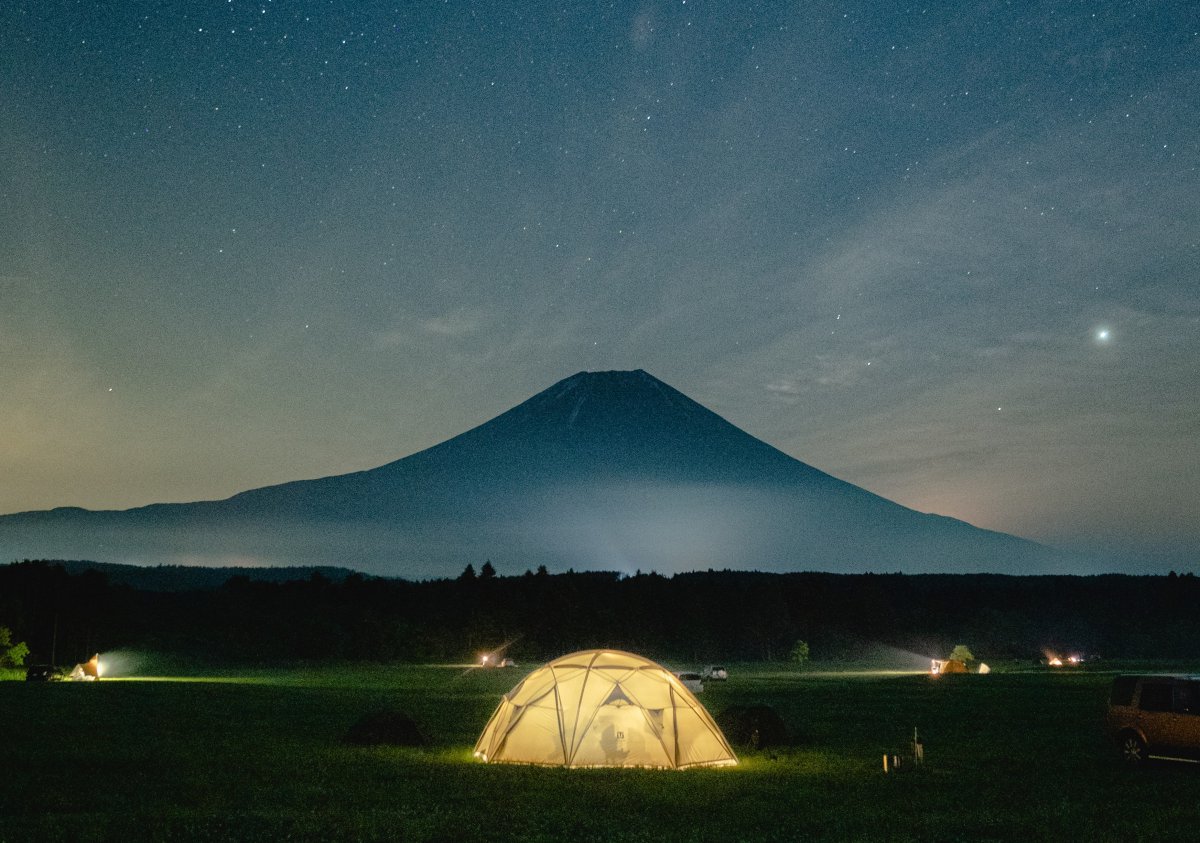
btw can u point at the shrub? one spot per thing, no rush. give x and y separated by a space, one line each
11 655
800 652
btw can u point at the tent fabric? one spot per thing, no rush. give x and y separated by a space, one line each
603 708
87 671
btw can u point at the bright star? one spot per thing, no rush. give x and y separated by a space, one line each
1103 335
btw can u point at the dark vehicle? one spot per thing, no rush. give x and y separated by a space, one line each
1155 717
42 673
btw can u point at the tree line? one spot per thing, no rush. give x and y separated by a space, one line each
709 616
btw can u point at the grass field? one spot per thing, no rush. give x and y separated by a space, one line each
258 755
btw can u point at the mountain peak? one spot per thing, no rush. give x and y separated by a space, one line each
606 385
619 423
620 376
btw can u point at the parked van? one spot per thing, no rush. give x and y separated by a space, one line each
1155 717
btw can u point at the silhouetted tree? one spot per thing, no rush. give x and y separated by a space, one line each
11 655
962 653
800 653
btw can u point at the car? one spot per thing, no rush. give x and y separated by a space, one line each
691 681
1155 717
495 660
714 673
42 673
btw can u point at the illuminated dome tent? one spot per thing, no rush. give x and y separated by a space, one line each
603 708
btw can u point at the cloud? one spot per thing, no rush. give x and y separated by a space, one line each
415 331
825 370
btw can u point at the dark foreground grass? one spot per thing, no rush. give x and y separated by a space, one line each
259 757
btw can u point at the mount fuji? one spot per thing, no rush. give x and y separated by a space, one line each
602 471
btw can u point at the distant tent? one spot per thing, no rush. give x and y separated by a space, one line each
87 671
603 708
941 666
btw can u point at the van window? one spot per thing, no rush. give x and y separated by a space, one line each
1122 690
1187 698
1156 696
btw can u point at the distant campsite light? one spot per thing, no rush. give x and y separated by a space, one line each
1073 660
88 671
960 661
940 667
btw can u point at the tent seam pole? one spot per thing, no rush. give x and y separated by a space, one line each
587 674
674 724
558 713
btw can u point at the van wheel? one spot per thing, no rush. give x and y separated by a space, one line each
1133 750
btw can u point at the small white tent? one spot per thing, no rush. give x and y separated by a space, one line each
603 708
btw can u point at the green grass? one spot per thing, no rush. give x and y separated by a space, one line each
257 755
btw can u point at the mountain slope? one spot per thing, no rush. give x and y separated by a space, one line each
613 470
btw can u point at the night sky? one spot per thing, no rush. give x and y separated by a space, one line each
946 252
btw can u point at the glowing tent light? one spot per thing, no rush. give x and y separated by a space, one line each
603 708
88 671
940 667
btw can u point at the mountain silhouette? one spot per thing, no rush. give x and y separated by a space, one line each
603 470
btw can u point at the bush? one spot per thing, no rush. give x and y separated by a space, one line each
962 653
11 655
800 653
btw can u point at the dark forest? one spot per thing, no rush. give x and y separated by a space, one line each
702 616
